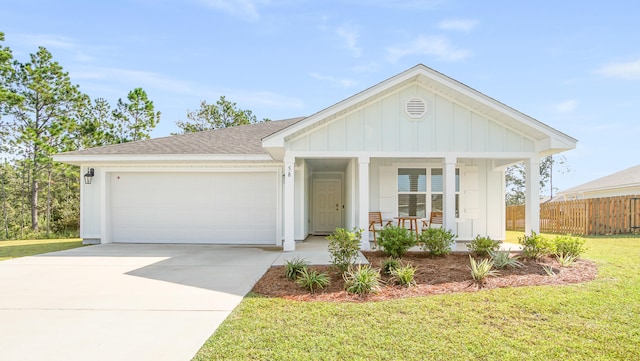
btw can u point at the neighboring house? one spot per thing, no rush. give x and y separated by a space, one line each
622 183
417 142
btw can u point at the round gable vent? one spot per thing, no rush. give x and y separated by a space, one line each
415 108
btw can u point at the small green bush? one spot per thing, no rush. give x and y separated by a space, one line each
437 241
481 246
292 267
535 246
404 275
390 264
569 246
396 241
503 259
312 280
481 270
344 247
362 280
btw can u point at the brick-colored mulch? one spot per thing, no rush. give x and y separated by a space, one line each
435 275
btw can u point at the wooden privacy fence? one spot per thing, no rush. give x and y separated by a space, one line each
610 215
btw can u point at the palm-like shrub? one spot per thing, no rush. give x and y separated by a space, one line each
362 280
404 275
293 266
390 264
396 241
437 241
503 259
481 270
344 247
312 280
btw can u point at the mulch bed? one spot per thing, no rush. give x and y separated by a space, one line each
434 275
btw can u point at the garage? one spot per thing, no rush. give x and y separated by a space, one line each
193 207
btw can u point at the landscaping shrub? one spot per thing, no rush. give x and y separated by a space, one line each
569 246
312 280
293 267
362 280
481 246
481 270
566 260
404 275
503 259
437 241
395 241
344 247
535 246
390 264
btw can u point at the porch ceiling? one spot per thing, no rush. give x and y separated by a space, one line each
328 165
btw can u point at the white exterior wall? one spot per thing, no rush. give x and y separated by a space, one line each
350 195
91 205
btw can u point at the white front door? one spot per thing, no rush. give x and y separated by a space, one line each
327 205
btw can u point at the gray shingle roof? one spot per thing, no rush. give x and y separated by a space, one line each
244 139
624 178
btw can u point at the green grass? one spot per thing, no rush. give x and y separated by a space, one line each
23 248
598 320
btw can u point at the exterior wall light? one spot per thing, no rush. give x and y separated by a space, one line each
88 177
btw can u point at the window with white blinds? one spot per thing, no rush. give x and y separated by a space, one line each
414 190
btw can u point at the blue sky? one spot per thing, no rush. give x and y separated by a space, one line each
574 65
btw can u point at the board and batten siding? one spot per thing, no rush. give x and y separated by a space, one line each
383 126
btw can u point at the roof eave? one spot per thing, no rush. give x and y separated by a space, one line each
76 159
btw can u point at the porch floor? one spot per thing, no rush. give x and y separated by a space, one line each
314 250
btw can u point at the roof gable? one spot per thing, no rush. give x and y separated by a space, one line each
546 139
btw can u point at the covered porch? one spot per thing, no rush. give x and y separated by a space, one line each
324 193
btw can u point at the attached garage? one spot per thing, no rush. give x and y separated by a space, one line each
193 207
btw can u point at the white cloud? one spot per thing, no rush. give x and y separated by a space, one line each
568 106
438 46
458 24
345 83
46 40
349 35
244 8
628 70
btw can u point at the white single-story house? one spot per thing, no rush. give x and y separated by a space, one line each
623 183
415 143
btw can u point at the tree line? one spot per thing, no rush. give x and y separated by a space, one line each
43 113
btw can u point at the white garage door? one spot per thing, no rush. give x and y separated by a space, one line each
222 207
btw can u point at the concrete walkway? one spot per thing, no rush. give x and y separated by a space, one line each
122 302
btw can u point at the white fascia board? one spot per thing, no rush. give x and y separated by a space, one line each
159 158
554 145
511 156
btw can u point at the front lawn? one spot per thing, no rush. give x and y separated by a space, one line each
596 320
23 248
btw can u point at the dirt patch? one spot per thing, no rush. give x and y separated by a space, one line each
435 275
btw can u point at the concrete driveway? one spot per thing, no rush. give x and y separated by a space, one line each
122 301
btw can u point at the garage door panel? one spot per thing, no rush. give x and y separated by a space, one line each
224 207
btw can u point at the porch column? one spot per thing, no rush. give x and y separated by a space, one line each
363 200
289 243
532 196
449 211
